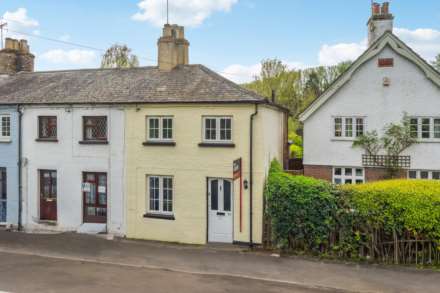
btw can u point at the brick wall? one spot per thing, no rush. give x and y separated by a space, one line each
376 174
319 172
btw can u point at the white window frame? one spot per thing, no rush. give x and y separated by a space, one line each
161 128
5 138
432 131
161 194
354 129
343 177
217 129
419 176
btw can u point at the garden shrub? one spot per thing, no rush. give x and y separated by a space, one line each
399 205
354 221
300 208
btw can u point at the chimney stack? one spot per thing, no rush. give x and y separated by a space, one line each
16 57
172 48
380 22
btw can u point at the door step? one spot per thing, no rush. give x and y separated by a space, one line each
90 228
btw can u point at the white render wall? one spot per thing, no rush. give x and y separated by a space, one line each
70 159
364 95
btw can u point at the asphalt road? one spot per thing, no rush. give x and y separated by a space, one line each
23 273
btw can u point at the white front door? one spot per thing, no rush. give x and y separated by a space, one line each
220 211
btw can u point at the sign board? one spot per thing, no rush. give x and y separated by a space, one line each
237 169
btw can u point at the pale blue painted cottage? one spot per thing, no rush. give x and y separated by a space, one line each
9 177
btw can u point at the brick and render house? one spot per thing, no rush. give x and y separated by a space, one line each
144 152
385 82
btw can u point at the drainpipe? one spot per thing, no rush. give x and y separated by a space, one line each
251 175
20 186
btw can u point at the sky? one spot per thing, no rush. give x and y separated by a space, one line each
231 37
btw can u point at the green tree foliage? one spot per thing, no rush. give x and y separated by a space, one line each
119 56
295 89
436 63
370 142
398 137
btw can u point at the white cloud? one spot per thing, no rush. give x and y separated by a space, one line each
424 41
244 74
71 57
182 12
334 54
19 21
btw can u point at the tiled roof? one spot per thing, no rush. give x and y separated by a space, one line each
185 84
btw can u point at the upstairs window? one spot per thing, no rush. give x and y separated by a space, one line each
160 128
5 127
217 129
349 127
425 128
95 129
47 127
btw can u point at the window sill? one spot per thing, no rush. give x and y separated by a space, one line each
5 140
216 145
428 140
159 143
46 140
343 139
160 216
93 142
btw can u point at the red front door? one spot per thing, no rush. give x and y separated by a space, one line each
48 195
95 197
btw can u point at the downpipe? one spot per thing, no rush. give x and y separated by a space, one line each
251 176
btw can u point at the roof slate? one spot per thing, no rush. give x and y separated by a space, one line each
184 84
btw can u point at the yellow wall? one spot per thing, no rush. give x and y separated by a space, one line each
191 165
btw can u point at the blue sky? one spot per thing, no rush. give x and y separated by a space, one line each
229 36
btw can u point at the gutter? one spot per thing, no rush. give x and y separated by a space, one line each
251 175
19 163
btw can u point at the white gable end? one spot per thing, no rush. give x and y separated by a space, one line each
413 88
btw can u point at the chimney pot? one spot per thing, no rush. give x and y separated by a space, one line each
386 8
376 8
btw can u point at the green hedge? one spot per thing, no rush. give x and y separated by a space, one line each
399 205
351 221
300 208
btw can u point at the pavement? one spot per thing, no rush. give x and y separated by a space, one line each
212 268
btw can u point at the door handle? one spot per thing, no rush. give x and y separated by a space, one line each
220 214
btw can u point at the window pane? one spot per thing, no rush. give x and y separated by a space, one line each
338 181
426 128
167 128
338 171
348 127
436 128
338 127
167 205
210 129
436 175
359 127
348 171
414 127
359 172
424 174
154 128
412 174
359 181
214 195
95 128
154 193
3 196
225 129
348 181
47 127
227 196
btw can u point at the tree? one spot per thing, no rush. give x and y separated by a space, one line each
436 63
370 142
119 56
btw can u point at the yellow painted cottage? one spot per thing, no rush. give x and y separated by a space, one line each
182 139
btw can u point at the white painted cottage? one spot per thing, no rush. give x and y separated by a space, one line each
388 80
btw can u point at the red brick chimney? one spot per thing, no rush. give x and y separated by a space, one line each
380 22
